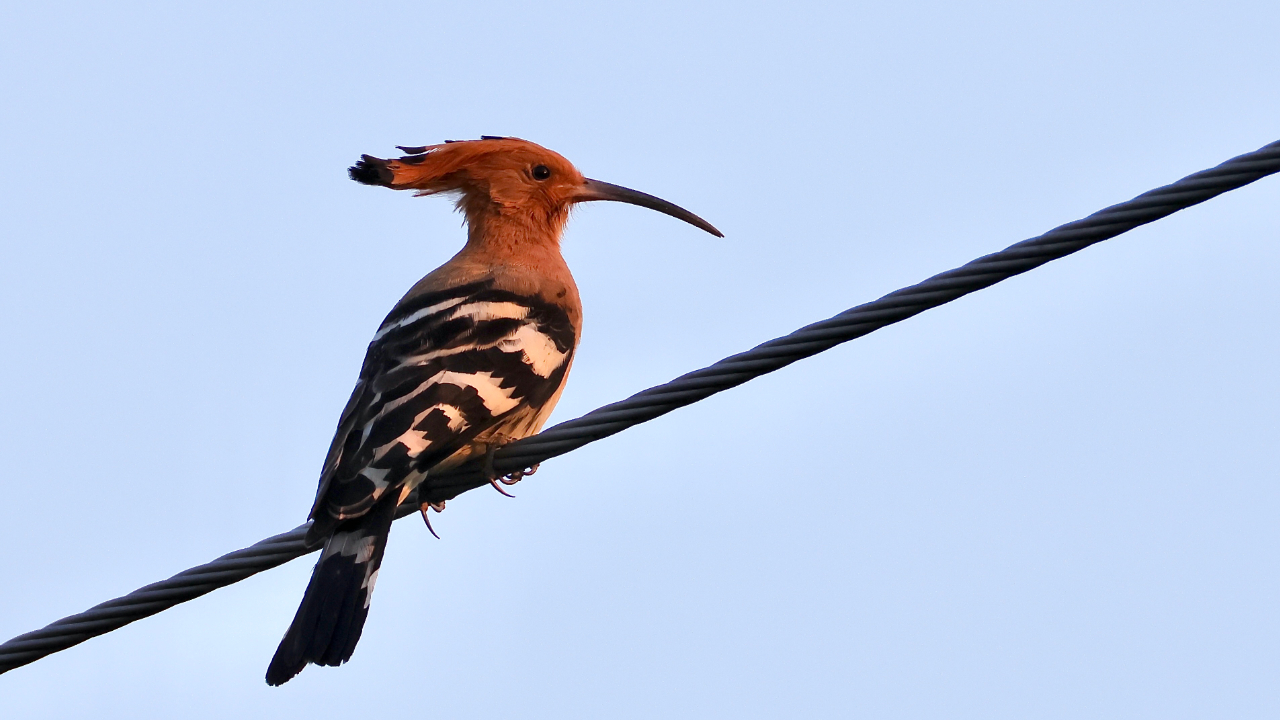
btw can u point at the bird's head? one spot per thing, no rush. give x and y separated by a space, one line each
505 183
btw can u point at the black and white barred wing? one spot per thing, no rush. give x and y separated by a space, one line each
444 368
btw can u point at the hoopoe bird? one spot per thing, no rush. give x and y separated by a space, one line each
475 355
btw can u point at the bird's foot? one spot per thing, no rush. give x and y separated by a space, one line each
424 507
517 476
508 479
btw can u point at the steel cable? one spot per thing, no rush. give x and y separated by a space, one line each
684 390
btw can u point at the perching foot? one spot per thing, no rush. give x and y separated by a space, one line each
508 479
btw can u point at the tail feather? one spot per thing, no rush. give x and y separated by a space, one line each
330 618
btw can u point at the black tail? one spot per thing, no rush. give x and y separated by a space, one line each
328 623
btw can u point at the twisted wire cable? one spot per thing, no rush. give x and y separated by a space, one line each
662 399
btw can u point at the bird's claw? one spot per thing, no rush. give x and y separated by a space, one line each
438 507
517 476
508 479
494 482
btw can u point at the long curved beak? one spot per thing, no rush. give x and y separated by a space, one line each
599 190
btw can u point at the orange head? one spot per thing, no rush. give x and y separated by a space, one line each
505 183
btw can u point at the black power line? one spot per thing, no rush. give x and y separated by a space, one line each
684 390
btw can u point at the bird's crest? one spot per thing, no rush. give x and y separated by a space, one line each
454 165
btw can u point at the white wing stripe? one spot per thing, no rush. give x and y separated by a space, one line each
481 311
415 317
415 441
540 351
496 399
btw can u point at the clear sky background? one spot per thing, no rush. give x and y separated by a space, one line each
1058 498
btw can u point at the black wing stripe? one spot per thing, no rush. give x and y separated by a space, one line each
411 306
444 321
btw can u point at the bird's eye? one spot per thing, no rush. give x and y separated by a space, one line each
541 172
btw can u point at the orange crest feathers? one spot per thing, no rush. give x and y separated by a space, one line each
468 166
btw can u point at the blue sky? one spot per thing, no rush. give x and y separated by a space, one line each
1055 498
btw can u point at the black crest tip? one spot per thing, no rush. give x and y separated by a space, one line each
370 171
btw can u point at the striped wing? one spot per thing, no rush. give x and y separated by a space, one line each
444 368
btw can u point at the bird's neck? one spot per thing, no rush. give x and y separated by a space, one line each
501 236
518 260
